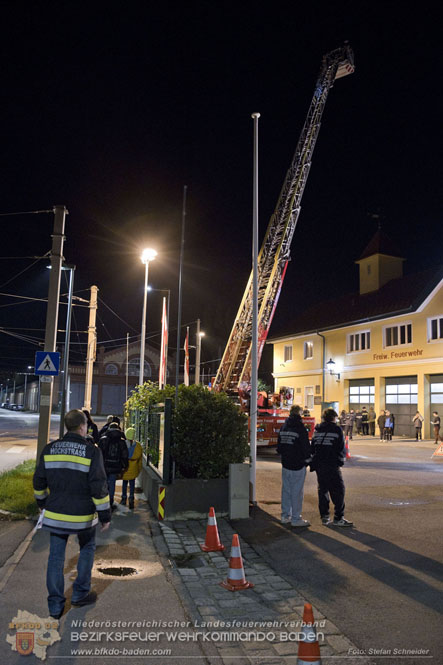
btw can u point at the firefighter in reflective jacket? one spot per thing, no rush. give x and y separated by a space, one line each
70 485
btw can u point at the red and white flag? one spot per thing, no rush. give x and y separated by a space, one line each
164 348
186 369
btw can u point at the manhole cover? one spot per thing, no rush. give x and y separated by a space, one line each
125 569
119 571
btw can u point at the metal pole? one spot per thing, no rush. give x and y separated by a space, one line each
66 354
44 423
127 366
24 396
92 345
179 315
254 364
143 334
167 339
197 353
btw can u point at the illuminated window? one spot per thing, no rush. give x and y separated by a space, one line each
111 369
398 335
359 341
308 350
288 354
435 328
134 368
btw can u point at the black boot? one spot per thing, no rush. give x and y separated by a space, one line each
131 504
123 501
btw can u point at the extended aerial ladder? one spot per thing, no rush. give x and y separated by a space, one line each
234 373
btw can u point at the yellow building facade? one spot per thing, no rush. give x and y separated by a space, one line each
353 355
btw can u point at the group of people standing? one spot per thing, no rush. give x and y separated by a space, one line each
325 454
364 421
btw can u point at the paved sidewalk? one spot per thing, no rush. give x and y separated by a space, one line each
173 604
271 611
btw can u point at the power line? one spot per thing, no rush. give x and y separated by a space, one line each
24 270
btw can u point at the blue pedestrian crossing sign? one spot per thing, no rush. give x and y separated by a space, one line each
47 363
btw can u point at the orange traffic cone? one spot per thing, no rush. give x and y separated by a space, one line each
236 580
348 452
212 542
308 649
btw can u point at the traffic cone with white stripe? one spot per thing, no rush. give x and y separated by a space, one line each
308 648
212 541
236 580
348 452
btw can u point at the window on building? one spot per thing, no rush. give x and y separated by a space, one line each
403 393
437 393
288 353
398 335
308 350
435 328
359 341
111 368
309 397
361 394
134 368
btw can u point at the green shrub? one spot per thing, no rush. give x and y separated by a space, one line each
208 430
209 433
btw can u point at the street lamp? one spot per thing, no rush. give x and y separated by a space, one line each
331 367
147 256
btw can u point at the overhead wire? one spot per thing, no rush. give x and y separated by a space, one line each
24 270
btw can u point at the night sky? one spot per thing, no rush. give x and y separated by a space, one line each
111 108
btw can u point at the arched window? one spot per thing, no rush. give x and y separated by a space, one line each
134 368
111 368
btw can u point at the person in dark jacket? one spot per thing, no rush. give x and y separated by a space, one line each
293 446
436 422
92 428
381 424
115 457
349 423
343 419
358 421
371 420
328 455
70 487
105 427
364 421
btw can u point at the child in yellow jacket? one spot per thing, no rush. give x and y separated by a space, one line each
135 465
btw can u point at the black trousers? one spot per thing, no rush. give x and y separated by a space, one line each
348 430
330 485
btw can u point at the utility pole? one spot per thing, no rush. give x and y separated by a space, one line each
92 347
180 279
58 237
254 342
71 269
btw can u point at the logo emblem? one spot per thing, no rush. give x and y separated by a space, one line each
24 643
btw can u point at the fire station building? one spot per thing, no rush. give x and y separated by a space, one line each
381 347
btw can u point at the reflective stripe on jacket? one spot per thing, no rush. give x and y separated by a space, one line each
70 483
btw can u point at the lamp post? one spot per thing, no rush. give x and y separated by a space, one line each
147 256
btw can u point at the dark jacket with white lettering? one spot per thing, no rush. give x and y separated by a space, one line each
293 444
327 446
70 484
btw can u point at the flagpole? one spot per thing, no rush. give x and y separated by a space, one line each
179 315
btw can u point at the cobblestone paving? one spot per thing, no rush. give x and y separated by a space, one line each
262 621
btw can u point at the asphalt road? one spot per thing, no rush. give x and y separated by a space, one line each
381 582
18 436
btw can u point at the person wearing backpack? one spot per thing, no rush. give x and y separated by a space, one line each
135 465
115 457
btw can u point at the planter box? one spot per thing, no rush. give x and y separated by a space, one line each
187 498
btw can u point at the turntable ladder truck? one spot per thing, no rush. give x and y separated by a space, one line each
234 373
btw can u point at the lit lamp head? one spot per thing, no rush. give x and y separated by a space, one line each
148 255
331 367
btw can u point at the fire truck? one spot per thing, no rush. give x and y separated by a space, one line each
234 373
